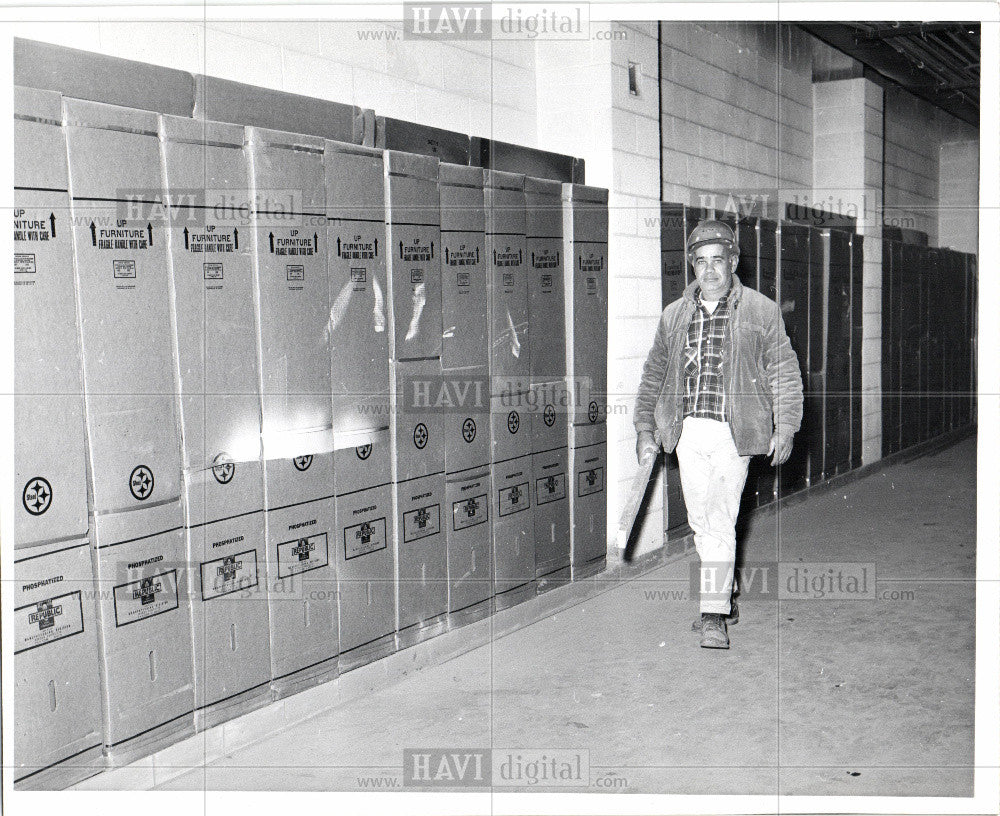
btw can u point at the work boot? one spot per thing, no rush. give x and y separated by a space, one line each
732 618
713 631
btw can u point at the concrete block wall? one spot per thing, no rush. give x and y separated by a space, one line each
580 82
958 193
574 78
848 134
737 109
635 246
914 134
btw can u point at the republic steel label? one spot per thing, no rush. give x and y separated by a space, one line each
229 574
364 538
421 523
469 512
590 481
43 622
145 598
302 555
514 499
550 488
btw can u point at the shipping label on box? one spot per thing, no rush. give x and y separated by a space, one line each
232 573
469 512
47 621
364 538
421 523
514 499
302 555
145 598
590 481
550 488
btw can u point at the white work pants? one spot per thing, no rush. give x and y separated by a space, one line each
712 479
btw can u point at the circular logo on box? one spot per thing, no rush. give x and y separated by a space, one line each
363 451
302 462
141 482
223 470
420 435
469 429
549 415
592 411
37 496
513 422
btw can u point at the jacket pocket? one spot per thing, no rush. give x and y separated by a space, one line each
751 340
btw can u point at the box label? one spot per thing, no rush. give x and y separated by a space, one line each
294 245
364 538
550 488
544 259
302 555
463 255
145 598
357 248
469 512
514 499
421 523
211 241
44 622
24 263
590 481
124 269
28 228
213 271
416 253
229 574
508 257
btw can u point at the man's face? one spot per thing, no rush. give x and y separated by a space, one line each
714 268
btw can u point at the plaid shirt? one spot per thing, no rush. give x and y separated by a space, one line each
704 391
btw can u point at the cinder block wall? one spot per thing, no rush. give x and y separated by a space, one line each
915 132
958 192
635 248
737 108
579 83
848 131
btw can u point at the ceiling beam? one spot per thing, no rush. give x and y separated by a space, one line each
891 67
909 29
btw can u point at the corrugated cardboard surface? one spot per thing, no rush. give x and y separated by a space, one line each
122 272
50 458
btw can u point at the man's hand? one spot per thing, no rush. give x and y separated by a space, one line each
781 447
646 445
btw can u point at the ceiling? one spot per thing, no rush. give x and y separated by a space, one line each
937 61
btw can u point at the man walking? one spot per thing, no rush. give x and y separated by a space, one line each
721 384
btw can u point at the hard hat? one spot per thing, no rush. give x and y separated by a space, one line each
712 232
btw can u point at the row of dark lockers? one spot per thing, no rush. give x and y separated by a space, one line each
928 342
791 264
815 274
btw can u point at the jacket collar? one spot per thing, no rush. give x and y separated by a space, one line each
735 291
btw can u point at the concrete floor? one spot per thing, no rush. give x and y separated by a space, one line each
820 697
